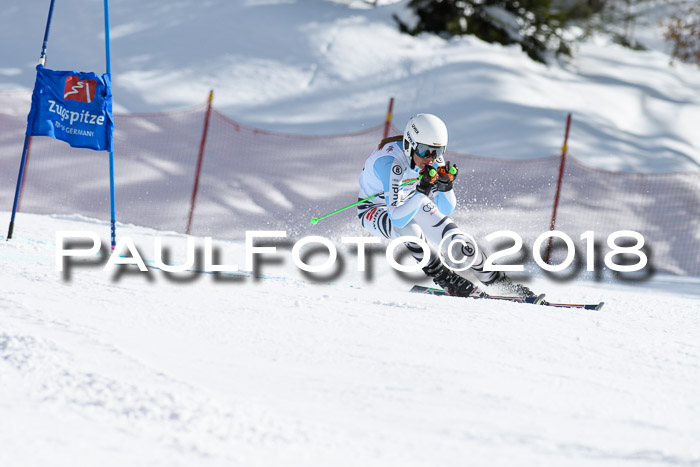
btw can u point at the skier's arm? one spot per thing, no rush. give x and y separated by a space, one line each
391 175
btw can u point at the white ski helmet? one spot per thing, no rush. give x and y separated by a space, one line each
425 134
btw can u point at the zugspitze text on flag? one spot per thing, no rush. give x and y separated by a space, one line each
74 107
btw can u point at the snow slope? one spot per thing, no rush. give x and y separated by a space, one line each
319 67
348 368
153 369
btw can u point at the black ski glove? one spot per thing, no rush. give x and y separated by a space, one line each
446 175
428 176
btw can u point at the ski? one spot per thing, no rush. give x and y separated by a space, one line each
517 299
590 306
539 300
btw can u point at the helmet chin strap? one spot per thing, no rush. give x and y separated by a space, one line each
413 162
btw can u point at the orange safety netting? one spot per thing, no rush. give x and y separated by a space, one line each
259 180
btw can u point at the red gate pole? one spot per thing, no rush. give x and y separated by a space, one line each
387 123
200 158
559 182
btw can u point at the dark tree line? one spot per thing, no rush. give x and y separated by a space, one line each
544 27
537 25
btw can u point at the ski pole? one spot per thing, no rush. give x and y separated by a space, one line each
315 220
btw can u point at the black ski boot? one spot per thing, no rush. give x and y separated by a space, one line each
503 283
450 281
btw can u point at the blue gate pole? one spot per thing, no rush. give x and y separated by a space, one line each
27 136
111 153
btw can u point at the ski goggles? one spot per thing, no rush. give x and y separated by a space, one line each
425 150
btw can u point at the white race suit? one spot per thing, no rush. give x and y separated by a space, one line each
399 210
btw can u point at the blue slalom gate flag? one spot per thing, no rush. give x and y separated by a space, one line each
74 107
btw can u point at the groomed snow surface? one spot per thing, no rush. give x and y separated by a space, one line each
133 368
156 369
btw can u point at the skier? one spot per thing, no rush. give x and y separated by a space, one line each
406 209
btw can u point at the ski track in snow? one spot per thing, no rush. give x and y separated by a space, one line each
151 406
262 372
